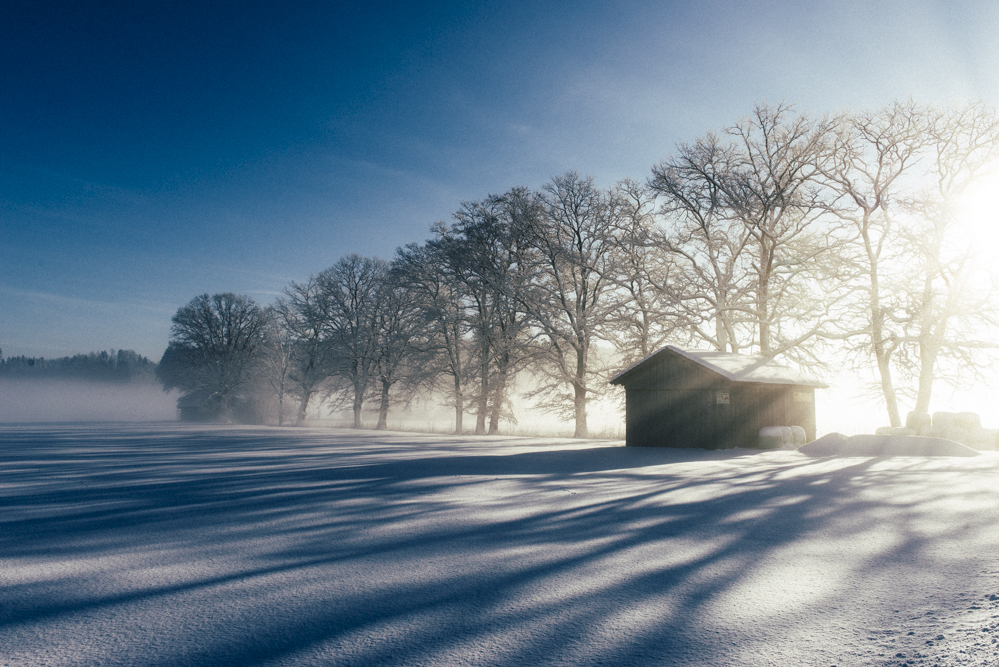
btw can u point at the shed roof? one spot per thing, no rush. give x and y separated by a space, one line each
733 367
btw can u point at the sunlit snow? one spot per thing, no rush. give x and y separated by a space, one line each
197 545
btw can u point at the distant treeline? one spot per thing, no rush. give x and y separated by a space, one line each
120 366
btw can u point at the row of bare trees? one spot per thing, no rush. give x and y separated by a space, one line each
914 251
523 280
794 237
815 239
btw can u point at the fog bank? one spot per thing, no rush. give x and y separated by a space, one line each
69 400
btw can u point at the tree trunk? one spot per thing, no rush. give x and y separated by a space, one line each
881 352
927 362
931 338
459 406
579 400
582 430
882 355
384 407
644 334
763 312
482 402
358 402
499 396
888 388
721 331
303 407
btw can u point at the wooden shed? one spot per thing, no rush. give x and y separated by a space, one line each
712 400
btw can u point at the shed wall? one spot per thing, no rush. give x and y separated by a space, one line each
676 418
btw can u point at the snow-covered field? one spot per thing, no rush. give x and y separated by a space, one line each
174 545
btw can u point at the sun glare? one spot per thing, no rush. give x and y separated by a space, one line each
978 210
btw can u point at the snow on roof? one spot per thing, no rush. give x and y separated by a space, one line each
736 367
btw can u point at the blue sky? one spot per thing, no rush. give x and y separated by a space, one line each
154 151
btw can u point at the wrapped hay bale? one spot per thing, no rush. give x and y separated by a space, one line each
798 436
969 420
771 437
917 420
944 419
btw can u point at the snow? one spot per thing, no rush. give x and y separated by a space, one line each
736 367
168 544
837 444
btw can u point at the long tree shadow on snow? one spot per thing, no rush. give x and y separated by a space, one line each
568 542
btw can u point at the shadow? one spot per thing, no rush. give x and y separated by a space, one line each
248 545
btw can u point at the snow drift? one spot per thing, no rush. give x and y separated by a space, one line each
837 444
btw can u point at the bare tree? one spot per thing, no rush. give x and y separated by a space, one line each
872 161
749 228
276 358
351 288
214 340
652 309
424 271
954 300
775 195
484 250
402 344
306 312
570 257
708 242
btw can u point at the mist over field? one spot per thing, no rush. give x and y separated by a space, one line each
432 414
838 409
51 400
48 400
